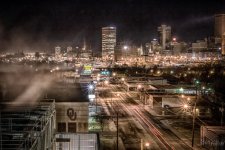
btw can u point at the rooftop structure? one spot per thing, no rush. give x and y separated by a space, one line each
24 127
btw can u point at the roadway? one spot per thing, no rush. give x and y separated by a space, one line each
159 135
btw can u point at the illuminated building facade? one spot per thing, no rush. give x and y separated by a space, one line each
219 30
125 52
164 35
69 49
108 42
223 44
219 25
57 50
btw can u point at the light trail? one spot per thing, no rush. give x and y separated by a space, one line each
151 127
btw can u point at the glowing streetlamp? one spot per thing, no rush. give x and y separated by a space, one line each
139 86
90 87
174 39
114 74
147 145
185 106
106 82
181 90
123 79
125 47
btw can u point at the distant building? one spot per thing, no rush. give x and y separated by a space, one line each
219 25
57 50
219 30
164 35
69 49
148 48
140 51
199 46
125 52
155 46
178 47
108 42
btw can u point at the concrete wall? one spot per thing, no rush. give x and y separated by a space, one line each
73 112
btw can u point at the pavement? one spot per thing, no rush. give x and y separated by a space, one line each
182 136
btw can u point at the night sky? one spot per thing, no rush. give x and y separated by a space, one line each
42 24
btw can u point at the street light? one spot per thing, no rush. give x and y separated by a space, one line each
181 90
194 112
139 86
125 47
91 87
106 82
185 106
147 145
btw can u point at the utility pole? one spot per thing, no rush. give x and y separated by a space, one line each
141 144
117 131
222 110
194 115
96 95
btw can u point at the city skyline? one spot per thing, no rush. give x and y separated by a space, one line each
41 25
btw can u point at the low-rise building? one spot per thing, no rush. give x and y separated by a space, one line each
212 137
71 108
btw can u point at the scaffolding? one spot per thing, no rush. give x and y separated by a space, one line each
24 127
77 141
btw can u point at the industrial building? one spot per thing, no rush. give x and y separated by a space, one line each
27 127
213 137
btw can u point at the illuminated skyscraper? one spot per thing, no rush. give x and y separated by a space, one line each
164 35
220 30
108 42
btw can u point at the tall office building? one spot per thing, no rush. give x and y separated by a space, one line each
108 42
220 30
164 35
